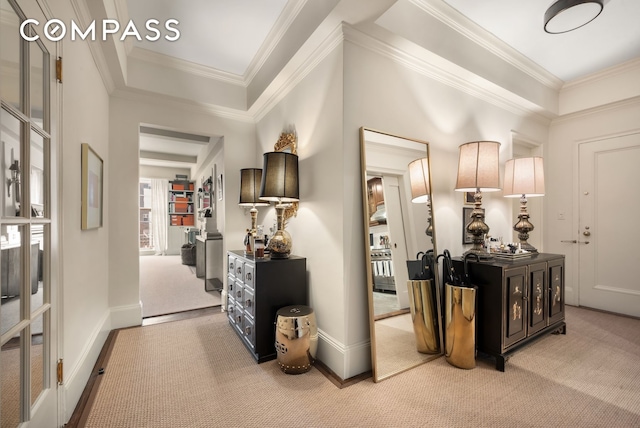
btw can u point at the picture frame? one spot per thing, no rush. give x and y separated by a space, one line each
219 186
467 238
92 188
469 198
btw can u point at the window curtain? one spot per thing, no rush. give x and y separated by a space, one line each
160 215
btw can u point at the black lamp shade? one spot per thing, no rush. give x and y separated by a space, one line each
250 179
280 177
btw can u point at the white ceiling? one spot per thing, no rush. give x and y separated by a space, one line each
226 35
221 34
612 38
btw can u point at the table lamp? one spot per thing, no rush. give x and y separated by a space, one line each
280 184
524 177
478 171
250 179
421 189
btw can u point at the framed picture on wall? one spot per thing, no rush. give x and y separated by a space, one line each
92 177
467 238
219 186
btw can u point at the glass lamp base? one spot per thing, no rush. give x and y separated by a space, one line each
280 245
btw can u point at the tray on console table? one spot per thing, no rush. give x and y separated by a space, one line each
257 288
517 301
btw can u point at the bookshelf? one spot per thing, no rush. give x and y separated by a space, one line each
181 203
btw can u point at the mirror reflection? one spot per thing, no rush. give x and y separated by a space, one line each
403 288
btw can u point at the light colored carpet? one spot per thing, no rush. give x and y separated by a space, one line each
197 373
167 286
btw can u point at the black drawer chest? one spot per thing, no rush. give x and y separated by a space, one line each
257 288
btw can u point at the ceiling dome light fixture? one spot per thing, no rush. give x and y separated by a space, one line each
567 15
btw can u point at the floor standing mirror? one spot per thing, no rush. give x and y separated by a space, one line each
399 227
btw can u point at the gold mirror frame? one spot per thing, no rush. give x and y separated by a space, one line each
288 142
396 330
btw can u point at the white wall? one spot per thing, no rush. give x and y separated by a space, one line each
211 163
126 114
315 108
84 289
382 94
561 169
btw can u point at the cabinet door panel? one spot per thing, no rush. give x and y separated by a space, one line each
556 292
537 297
515 282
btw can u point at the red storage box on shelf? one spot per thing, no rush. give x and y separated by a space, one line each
181 199
176 220
187 220
180 207
177 186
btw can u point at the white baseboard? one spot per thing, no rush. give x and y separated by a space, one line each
345 361
126 316
76 377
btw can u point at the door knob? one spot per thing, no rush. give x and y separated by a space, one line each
586 233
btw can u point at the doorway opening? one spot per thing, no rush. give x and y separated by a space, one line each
168 211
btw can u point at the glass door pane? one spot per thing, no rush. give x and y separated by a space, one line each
10 385
38 70
38 365
11 134
10 76
11 268
37 175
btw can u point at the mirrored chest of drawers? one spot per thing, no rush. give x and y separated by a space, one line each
257 288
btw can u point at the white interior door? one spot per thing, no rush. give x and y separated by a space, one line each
609 171
29 239
393 205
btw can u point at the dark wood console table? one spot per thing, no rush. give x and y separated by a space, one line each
517 301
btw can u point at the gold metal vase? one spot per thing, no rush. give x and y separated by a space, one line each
460 326
424 315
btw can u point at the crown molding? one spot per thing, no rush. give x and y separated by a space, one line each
611 72
597 110
186 66
182 104
303 62
84 17
284 21
469 29
437 68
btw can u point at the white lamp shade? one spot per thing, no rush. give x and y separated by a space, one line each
419 178
479 167
524 176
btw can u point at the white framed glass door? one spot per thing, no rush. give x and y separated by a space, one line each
28 216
